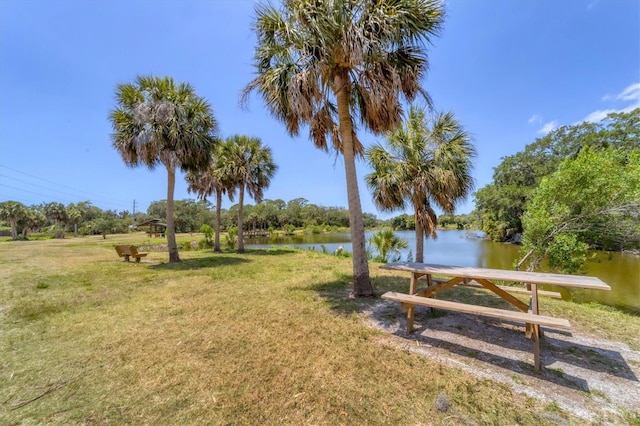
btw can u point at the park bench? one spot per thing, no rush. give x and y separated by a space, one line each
129 251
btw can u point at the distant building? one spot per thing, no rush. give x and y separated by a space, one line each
156 228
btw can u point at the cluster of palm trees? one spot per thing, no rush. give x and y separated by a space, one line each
242 163
332 66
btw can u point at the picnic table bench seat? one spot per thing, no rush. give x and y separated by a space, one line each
503 314
128 251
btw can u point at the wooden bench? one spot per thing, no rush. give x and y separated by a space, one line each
129 251
408 301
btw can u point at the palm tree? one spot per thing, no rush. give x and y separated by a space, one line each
329 63
426 162
56 213
13 212
157 121
251 167
215 178
385 242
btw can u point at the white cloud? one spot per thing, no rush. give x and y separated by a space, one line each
535 118
548 127
599 115
631 93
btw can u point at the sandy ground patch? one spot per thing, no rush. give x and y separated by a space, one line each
595 379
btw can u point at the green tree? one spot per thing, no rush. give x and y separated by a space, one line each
386 242
12 212
590 200
74 217
34 219
251 168
157 121
215 179
425 162
208 233
502 203
104 225
56 213
327 64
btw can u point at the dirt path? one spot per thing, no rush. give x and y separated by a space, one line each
595 379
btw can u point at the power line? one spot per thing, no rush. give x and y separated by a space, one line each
36 193
95 199
121 202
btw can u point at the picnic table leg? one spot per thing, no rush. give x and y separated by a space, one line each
536 346
534 306
126 257
411 310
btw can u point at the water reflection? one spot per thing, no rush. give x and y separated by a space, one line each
620 271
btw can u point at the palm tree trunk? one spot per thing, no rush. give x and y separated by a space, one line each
174 257
216 243
240 233
361 282
419 241
14 228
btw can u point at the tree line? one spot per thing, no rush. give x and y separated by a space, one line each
83 218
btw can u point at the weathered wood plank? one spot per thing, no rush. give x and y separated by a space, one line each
500 274
478 310
518 290
438 286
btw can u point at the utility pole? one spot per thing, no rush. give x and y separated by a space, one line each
134 209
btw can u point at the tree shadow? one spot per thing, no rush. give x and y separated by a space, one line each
271 251
496 342
503 343
200 263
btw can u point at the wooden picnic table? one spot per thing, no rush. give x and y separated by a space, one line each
483 277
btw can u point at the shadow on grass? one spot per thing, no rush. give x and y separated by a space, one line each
338 293
270 251
201 262
486 339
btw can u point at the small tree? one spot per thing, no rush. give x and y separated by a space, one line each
12 212
208 234
386 242
56 213
74 217
232 238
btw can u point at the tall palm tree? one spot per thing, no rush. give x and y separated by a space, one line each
216 178
425 162
251 167
330 63
157 121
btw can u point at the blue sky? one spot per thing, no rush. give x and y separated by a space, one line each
510 71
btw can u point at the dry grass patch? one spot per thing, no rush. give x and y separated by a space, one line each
268 337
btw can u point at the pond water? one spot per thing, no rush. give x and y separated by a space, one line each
464 248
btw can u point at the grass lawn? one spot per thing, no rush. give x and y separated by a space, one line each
267 337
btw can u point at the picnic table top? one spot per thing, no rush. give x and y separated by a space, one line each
501 274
